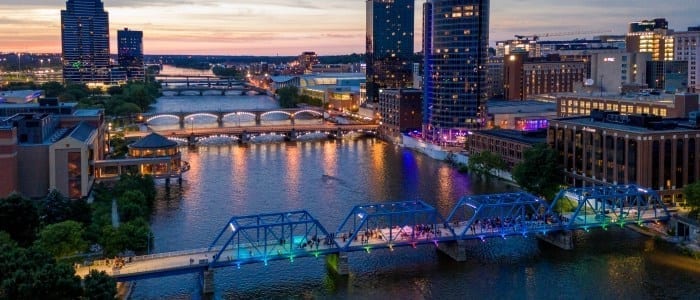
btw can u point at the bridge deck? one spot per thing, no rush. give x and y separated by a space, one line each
188 261
289 235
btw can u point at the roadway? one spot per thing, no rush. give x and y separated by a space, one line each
186 132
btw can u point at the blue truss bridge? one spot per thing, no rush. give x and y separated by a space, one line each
264 238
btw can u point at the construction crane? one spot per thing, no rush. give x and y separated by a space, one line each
536 37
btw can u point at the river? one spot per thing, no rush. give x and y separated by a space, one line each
328 178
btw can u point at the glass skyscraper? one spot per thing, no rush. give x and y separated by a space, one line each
130 53
455 46
85 42
389 45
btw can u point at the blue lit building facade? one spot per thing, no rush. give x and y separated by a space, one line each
130 53
85 42
455 46
389 45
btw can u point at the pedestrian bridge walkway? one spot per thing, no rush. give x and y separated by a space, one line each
288 236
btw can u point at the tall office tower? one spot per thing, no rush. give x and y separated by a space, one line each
85 42
389 45
653 37
455 46
130 53
688 49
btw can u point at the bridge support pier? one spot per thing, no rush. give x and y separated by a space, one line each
258 119
207 282
457 250
562 239
338 263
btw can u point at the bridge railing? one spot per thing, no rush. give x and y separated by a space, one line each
263 237
170 254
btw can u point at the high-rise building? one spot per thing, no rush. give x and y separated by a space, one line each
389 45
85 42
653 37
130 53
687 46
306 61
455 47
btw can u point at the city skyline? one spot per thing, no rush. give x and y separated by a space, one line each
327 27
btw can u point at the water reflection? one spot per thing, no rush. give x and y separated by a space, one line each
332 176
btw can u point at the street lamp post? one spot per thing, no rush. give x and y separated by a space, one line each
192 126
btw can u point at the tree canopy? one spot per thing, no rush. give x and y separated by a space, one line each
692 196
33 274
19 218
539 173
62 239
99 286
289 97
485 162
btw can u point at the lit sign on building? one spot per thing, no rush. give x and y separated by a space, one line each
531 124
609 59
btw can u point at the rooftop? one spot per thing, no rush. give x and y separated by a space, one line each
82 132
87 112
528 106
587 121
516 135
661 98
153 141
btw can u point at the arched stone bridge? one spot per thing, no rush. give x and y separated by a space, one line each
222 89
220 116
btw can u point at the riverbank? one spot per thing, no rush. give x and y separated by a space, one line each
454 156
125 289
661 231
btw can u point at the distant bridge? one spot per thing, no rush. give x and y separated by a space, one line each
244 133
256 115
267 237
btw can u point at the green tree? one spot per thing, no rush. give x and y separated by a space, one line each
539 173
133 235
144 184
485 162
80 211
692 196
139 94
115 90
54 208
288 96
99 286
62 239
126 109
19 218
133 204
118 145
33 274
52 89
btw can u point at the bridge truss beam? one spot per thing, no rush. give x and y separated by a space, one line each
496 215
391 225
267 237
602 206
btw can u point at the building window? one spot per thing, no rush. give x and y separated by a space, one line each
691 161
74 175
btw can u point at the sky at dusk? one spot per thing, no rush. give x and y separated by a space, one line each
288 27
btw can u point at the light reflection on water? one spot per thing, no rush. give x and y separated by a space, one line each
329 177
